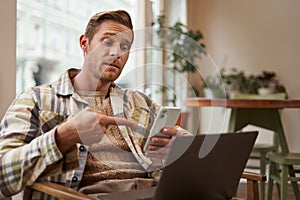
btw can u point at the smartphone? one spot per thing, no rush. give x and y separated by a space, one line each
166 117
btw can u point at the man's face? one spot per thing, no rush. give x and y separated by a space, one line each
108 51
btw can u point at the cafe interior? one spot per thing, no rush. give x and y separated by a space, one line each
234 49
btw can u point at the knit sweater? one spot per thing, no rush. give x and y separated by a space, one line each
111 158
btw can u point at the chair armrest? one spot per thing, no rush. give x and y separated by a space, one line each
62 192
253 176
59 191
252 184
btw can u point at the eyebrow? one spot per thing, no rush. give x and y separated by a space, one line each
109 33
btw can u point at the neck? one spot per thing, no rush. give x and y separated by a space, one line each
82 82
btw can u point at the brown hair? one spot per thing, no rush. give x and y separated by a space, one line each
119 16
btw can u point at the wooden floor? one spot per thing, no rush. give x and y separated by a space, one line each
242 192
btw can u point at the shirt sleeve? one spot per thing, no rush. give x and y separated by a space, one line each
25 153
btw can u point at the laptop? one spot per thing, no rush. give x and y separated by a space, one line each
207 166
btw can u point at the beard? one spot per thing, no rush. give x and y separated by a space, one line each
109 76
105 72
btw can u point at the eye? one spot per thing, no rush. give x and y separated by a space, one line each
108 42
125 47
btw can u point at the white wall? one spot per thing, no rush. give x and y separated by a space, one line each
255 35
7 54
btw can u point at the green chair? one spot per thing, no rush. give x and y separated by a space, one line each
282 171
260 151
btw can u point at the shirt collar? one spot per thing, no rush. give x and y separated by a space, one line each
63 86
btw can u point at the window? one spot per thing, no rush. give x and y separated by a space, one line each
160 84
48 36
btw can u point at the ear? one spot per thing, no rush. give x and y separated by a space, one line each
83 41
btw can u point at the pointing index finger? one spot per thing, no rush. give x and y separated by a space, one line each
120 121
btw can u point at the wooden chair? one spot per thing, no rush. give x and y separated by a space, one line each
62 192
253 180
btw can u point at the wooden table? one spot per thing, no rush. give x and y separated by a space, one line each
264 113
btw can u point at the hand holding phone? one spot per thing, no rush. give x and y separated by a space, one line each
166 117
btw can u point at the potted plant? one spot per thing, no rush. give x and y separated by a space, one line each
231 82
185 46
237 82
269 83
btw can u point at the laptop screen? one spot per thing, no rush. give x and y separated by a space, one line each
205 166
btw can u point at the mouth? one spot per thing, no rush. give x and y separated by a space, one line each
111 65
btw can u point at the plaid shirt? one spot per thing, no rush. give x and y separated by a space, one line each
28 151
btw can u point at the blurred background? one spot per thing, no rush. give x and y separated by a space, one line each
40 40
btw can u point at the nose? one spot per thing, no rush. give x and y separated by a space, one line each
115 51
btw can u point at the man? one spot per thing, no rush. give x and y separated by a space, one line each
83 131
